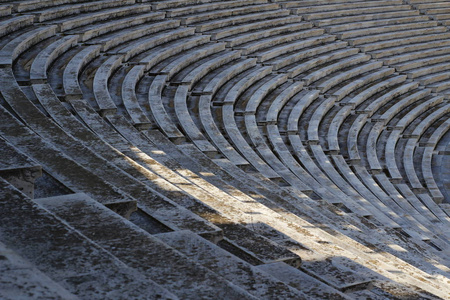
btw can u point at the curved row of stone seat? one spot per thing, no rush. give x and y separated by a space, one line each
132 80
438 11
358 124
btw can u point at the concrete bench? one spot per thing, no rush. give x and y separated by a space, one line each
14 24
11 51
228 12
210 6
288 59
370 37
381 101
73 9
250 278
385 32
260 44
367 93
164 51
139 241
92 31
41 63
190 57
186 121
348 29
277 105
72 89
70 23
18 169
349 88
329 83
63 243
253 17
405 41
129 98
340 64
292 47
242 33
158 111
100 89
197 73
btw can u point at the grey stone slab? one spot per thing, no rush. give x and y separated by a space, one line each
21 280
92 31
18 45
88 18
235 270
310 286
140 250
13 24
41 63
64 255
72 89
77 8
100 89
129 98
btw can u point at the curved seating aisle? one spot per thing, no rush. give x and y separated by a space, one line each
267 146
